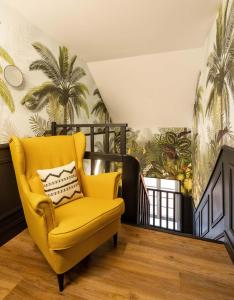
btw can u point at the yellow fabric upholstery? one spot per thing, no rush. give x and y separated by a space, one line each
76 223
94 185
68 233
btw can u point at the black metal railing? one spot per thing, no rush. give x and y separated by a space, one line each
118 132
143 204
165 209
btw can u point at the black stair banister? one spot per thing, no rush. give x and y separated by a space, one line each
143 203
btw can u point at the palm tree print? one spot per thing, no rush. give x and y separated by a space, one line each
100 109
64 84
5 93
197 108
221 65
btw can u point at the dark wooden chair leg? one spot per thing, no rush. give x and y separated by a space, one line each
115 239
61 281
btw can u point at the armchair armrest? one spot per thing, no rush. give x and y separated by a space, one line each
40 203
101 186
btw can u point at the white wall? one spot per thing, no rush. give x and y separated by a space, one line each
151 90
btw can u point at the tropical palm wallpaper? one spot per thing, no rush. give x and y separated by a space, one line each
57 83
213 116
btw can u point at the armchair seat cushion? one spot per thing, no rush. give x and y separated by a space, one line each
80 219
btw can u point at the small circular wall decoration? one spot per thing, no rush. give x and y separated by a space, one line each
13 75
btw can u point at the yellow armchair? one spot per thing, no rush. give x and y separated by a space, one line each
68 233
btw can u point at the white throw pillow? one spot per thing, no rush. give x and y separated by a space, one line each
61 184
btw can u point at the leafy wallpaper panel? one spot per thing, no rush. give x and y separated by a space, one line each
163 153
213 117
57 83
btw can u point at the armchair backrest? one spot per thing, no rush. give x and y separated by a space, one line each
31 154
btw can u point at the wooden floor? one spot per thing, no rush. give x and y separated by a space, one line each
146 265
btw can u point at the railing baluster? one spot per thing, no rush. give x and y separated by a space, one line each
143 197
160 209
167 210
181 212
92 148
141 208
153 207
123 139
173 211
107 147
106 144
53 128
141 218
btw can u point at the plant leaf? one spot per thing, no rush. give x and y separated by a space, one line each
63 61
47 56
46 68
38 96
38 125
6 96
77 74
6 56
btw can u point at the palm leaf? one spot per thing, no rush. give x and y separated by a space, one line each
228 26
99 108
54 110
211 101
77 74
6 56
96 92
198 109
219 30
63 61
38 125
225 101
47 69
37 98
79 88
71 65
78 102
6 96
47 56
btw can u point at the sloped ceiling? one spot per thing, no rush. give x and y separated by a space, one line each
108 29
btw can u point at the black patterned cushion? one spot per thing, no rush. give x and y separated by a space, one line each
61 184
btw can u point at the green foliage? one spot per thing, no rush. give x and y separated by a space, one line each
197 108
166 155
221 65
6 96
100 109
38 125
5 56
5 93
220 84
54 111
64 85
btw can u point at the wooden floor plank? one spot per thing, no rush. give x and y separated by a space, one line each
146 265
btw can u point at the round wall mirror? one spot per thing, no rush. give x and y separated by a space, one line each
13 75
